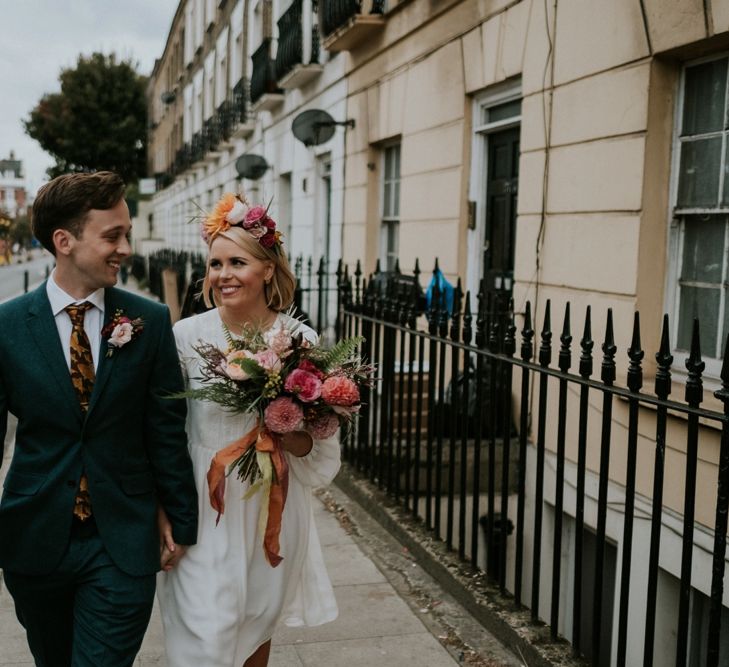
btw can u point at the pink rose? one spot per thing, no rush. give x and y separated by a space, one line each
309 367
305 385
323 427
340 390
254 217
121 334
279 340
283 415
268 360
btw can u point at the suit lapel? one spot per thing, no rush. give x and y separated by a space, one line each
106 363
43 328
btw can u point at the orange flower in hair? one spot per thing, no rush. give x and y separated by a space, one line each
235 210
229 211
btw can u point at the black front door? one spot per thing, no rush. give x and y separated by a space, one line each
502 186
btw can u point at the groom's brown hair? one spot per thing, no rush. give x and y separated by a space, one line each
64 203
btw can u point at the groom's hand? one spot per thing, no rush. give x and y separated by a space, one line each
170 559
170 552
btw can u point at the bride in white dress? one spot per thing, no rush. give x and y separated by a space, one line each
222 600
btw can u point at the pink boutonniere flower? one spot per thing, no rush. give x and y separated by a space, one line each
120 330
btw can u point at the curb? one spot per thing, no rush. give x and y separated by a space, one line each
512 626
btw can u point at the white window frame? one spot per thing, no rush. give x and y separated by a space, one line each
222 67
388 222
209 86
502 93
676 238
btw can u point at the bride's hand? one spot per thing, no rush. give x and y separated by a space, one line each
169 552
298 443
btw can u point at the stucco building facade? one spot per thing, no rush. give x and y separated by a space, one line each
570 150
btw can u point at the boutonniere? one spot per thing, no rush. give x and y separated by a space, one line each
120 330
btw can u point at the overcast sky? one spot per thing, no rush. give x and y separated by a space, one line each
40 37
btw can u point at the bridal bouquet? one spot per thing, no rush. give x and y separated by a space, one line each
290 384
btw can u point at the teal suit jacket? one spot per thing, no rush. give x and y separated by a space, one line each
131 443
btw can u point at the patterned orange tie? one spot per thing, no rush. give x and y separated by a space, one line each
82 377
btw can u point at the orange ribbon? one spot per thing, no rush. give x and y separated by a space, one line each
264 441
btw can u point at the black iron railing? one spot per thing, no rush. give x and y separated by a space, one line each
333 14
197 147
465 470
263 78
240 101
447 433
290 52
225 120
183 158
164 179
211 134
315 298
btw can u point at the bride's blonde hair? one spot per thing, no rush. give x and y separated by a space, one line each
279 291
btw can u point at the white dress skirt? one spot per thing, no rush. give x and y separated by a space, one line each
224 600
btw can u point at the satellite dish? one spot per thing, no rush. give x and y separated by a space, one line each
314 126
251 166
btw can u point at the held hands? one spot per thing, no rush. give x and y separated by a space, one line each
170 553
298 443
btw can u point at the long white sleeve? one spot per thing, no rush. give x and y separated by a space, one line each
321 465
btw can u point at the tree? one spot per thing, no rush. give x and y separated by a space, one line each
97 121
21 232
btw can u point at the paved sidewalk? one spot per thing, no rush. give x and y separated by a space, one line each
375 624
381 621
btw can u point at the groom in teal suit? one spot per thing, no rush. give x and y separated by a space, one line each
100 476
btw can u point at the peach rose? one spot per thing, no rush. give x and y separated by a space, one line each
121 334
340 390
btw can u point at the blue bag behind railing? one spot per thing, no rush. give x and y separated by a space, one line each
443 286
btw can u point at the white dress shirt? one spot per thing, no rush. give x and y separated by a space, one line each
93 319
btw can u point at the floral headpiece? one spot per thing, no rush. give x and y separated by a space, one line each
235 211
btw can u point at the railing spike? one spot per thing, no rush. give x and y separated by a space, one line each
456 314
480 318
377 266
510 334
724 374
565 354
397 265
664 358
443 319
457 296
467 319
608 350
545 348
547 324
695 367
586 344
528 319
635 354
